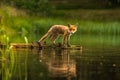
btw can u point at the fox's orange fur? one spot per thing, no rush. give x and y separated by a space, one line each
56 30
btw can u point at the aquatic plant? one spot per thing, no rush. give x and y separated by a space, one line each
11 61
7 59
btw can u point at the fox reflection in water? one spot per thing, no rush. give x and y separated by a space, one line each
60 64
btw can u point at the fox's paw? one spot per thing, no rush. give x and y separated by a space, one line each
53 45
68 45
64 46
38 43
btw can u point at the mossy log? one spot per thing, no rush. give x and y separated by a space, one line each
34 46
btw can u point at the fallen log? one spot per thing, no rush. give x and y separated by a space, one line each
35 45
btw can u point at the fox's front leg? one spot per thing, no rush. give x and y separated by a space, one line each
68 41
63 39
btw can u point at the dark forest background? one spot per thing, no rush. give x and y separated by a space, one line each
47 5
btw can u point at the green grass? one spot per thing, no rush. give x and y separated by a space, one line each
105 28
21 27
21 24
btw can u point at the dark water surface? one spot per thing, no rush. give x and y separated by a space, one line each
90 63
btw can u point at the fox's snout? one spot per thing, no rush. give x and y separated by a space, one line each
71 32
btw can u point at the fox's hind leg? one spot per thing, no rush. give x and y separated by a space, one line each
53 38
44 37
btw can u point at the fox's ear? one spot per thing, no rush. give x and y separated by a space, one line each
69 24
76 24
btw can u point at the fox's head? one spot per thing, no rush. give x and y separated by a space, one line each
72 28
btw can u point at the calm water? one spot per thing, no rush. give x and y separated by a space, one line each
92 62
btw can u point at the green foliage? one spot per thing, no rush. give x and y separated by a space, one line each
32 5
33 27
11 62
96 28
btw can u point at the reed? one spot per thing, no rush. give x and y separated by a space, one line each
7 60
11 62
26 60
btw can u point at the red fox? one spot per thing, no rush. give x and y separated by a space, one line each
56 30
